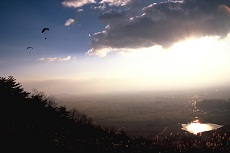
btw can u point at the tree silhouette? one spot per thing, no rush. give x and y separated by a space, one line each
9 88
34 122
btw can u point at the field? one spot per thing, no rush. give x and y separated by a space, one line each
147 113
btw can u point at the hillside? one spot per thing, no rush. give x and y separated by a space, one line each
33 122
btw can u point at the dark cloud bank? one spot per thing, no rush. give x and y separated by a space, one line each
162 24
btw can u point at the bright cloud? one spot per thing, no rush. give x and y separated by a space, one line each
77 3
101 53
69 22
116 2
53 59
80 3
161 24
100 7
80 10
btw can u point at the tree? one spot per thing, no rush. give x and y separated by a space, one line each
13 101
10 89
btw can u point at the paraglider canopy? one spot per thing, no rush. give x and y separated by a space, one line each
29 47
44 29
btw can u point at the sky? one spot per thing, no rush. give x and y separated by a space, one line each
98 46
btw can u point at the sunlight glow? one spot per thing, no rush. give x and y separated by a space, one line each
194 61
191 63
197 127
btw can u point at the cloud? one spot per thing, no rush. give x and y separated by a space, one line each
69 22
77 3
113 16
161 24
53 59
100 7
80 3
116 2
80 10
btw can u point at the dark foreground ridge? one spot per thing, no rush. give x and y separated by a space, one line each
33 122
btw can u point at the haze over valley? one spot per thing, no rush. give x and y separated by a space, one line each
150 112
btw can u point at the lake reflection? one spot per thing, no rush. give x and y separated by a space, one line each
197 127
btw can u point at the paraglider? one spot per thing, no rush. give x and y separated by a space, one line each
29 47
44 29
